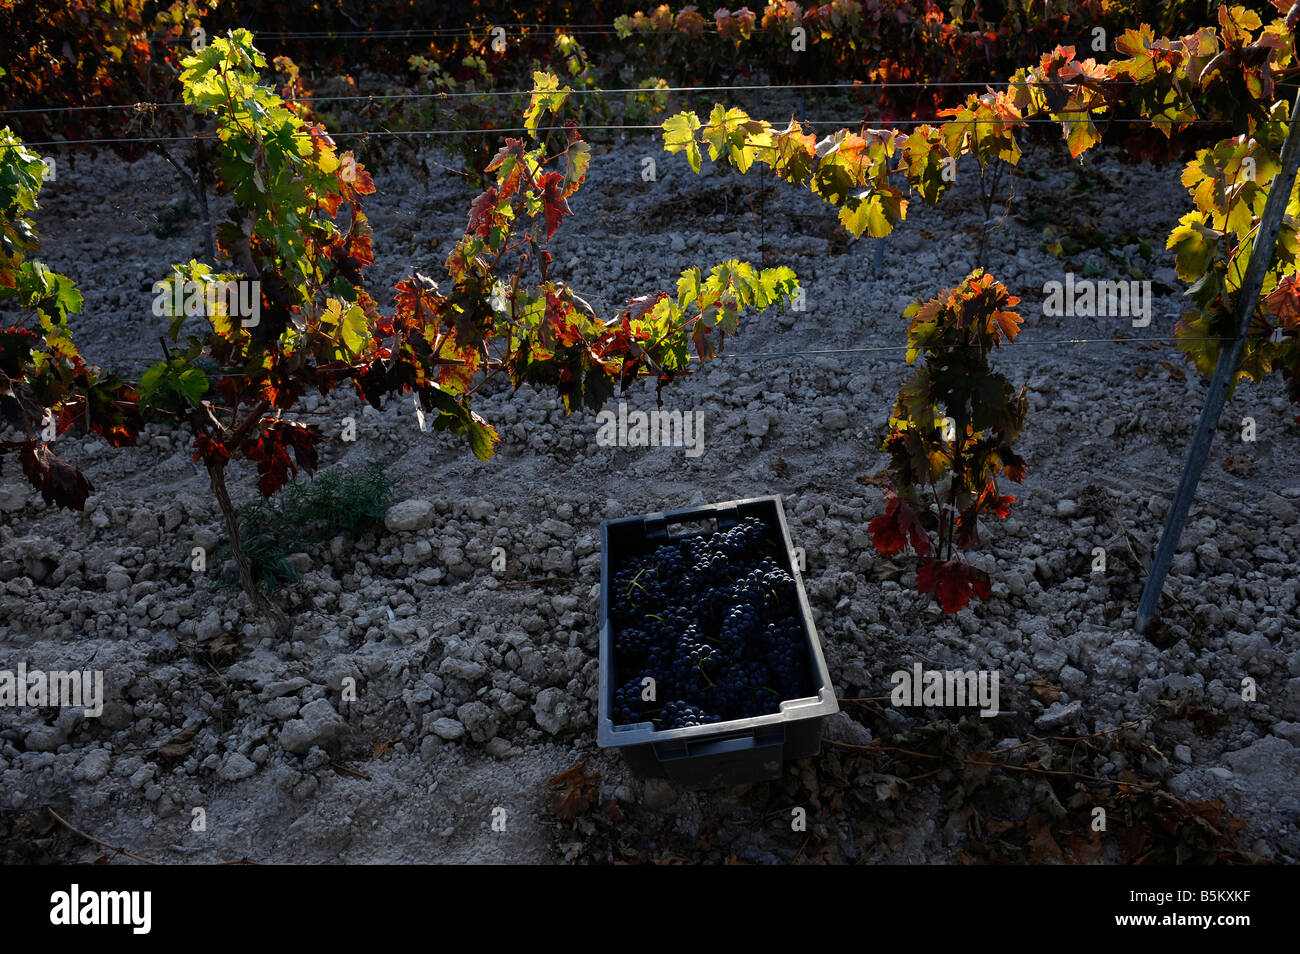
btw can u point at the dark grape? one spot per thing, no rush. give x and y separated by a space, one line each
668 566
695 663
679 715
712 570
629 706
740 629
741 692
633 643
787 656
713 619
744 540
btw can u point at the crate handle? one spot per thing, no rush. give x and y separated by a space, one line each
727 746
658 525
744 743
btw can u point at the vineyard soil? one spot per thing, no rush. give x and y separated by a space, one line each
475 686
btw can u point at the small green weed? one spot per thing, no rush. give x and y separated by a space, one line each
306 513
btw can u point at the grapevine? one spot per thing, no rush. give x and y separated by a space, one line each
297 242
951 435
1166 83
46 389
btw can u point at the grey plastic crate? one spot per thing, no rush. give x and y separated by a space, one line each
724 753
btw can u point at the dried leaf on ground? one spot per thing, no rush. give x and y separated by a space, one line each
1044 691
572 791
221 649
179 745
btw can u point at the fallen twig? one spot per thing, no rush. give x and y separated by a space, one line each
1078 738
542 579
1068 774
801 848
217 672
975 762
776 811
869 707
344 768
116 849
1128 542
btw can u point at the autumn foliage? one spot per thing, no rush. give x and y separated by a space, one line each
297 231
46 388
1167 91
950 438
295 245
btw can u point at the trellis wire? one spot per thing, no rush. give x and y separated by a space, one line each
584 127
619 91
823 352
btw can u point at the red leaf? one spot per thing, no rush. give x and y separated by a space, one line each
59 482
509 185
998 504
16 346
638 307
989 501
482 212
112 408
1284 301
513 147
556 205
953 583
209 451
559 320
968 527
270 451
417 302
703 344
896 528
1013 465
1008 321
353 176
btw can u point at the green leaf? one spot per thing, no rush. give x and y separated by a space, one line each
1194 245
679 136
482 437
547 96
688 288
773 284
870 212
575 170
192 385
151 380
460 419
1081 135
356 331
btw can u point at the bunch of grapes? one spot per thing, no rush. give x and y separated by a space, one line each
678 715
784 652
630 704
713 621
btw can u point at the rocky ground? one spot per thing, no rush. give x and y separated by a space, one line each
475 686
